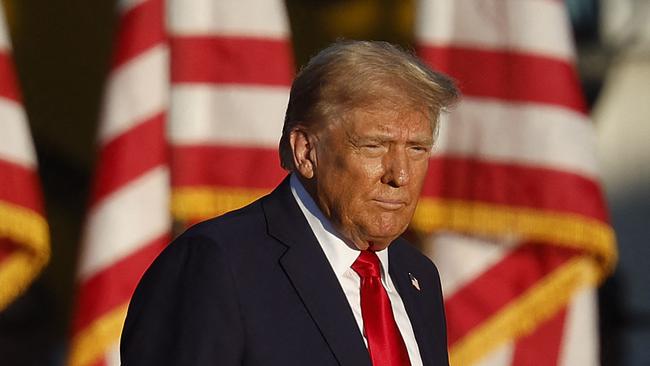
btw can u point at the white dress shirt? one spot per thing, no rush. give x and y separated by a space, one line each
341 255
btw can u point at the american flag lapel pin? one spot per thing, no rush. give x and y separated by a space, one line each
414 281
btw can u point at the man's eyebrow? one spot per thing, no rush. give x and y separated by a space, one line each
424 142
382 137
421 141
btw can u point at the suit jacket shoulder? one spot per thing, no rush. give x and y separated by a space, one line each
245 288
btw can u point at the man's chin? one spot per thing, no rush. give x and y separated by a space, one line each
378 246
382 241
374 243
372 237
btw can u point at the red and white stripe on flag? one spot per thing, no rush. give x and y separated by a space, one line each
24 235
128 221
231 68
519 226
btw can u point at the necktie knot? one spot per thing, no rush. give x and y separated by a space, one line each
367 264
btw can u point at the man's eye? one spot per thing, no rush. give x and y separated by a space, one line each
373 149
420 149
372 146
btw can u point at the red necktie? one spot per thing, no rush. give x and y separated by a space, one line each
385 342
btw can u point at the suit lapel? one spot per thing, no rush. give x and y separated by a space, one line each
311 275
399 273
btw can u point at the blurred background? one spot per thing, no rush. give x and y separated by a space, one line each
62 51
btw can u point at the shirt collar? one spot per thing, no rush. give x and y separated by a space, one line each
339 253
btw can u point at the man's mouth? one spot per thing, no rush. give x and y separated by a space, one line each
390 204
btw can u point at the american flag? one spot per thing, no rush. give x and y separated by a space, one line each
128 220
231 71
192 114
520 228
24 234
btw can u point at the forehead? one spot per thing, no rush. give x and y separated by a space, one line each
384 119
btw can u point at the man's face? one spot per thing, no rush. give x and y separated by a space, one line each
368 171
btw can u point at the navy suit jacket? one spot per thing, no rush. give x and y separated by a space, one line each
253 287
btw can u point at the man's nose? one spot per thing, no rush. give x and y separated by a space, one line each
396 168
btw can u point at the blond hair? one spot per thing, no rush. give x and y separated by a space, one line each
354 74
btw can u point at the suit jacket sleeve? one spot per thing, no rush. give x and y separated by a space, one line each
185 309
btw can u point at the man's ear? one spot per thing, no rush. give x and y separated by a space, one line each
303 152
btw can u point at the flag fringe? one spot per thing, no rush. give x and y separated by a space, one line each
563 229
200 203
24 226
92 343
520 317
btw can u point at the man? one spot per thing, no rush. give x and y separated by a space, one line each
314 273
